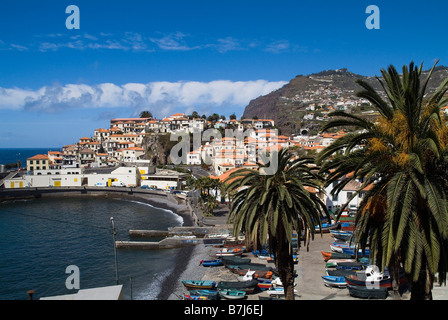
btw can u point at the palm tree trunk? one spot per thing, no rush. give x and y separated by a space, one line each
285 264
396 276
428 284
422 288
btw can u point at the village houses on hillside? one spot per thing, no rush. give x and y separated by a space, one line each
114 156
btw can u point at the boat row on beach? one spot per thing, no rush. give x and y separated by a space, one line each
349 267
251 277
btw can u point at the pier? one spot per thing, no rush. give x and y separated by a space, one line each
177 237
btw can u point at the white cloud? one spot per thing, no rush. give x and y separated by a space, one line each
160 98
159 42
174 42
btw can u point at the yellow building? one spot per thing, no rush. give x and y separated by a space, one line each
38 162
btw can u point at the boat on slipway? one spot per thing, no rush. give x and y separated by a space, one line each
246 286
211 263
367 293
232 294
334 281
371 277
199 284
224 252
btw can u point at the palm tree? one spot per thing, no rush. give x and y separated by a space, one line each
401 158
269 208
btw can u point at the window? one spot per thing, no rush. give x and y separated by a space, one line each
335 198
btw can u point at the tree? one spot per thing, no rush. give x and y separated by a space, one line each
269 208
205 184
194 115
401 157
145 114
232 116
213 118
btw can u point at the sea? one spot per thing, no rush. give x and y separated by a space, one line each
56 246
13 155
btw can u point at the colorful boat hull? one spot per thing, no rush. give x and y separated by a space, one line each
334 281
198 284
211 263
367 293
232 294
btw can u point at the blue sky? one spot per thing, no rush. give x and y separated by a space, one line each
57 85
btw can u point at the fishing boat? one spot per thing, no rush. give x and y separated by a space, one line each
270 298
326 227
235 260
351 251
256 274
199 284
371 277
343 237
348 226
334 281
262 252
251 266
333 263
341 232
194 297
351 265
338 246
247 286
264 284
340 272
229 252
335 255
211 263
232 294
248 276
277 282
295 258
278 291
210 294
367 293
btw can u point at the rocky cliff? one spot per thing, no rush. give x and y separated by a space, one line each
288 105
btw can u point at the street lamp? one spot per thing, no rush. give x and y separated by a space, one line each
114 233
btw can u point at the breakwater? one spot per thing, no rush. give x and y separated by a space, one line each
176 237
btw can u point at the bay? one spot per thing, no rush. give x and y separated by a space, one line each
12 155
40 238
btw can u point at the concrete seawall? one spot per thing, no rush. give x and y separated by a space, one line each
176 237
167 243
27 193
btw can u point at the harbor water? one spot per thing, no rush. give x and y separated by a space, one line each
40 238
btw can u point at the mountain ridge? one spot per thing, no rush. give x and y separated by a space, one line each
288 105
